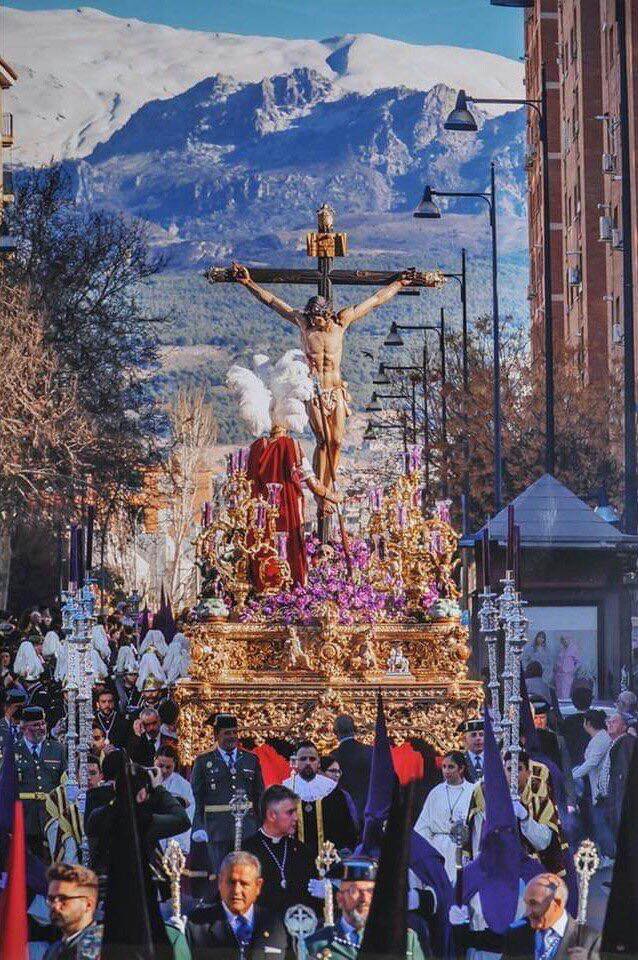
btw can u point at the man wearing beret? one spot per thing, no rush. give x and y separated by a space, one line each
356 877
218 776
40 763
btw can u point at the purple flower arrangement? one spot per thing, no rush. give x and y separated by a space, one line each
328 581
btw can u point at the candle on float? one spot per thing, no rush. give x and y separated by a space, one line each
487 573
414 453
274 494
261 516
381 548
401 514
243 459
282 545
89 537
518 557
509 563
74 573
442 510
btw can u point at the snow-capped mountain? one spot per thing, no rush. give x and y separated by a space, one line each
246 164
83 73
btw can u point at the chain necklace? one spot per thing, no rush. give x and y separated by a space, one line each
280 866
452 806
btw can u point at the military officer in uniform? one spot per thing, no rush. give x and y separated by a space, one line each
356 876
473 732
40 763
217 777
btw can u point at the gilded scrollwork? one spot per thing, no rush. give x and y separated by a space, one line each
287 682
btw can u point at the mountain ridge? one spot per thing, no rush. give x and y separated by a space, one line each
83 73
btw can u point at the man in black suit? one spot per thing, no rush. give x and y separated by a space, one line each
472 731
355 760
116 729
236 926
546 933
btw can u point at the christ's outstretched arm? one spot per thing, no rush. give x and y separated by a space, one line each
350 314
241 275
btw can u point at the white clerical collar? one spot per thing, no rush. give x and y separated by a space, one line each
268 836
309 790
560 925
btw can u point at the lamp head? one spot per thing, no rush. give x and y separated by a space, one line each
460 118
381 379
427 208
393 339
374 406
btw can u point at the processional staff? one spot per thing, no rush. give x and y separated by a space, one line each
587 862
239 805
327 857
174 861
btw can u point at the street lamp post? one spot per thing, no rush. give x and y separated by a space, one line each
371 429
394 339
461 279
461 120
382 380
428 210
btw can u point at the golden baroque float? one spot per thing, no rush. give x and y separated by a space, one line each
287 671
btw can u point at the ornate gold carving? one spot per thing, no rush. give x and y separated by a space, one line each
248 669
244 533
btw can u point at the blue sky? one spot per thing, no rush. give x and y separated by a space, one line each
467 23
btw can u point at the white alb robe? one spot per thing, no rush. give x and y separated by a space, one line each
180 787
444 805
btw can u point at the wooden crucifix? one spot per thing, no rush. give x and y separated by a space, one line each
322 328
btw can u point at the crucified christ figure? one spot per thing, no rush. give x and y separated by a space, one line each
322 331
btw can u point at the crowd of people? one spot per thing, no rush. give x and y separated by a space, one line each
239 883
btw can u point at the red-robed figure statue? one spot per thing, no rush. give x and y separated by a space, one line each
273 399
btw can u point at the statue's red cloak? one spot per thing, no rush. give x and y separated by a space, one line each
278 460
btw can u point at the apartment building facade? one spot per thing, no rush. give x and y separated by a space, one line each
580 37
610 170
541 44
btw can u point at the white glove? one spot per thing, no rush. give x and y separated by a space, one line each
199 836
179 923
459 915
520 812
317 888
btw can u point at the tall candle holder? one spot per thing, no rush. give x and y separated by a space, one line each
515 639
489 627
504 614
242 537
408 551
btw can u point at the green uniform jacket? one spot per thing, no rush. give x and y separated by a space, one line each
36 778
330 942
